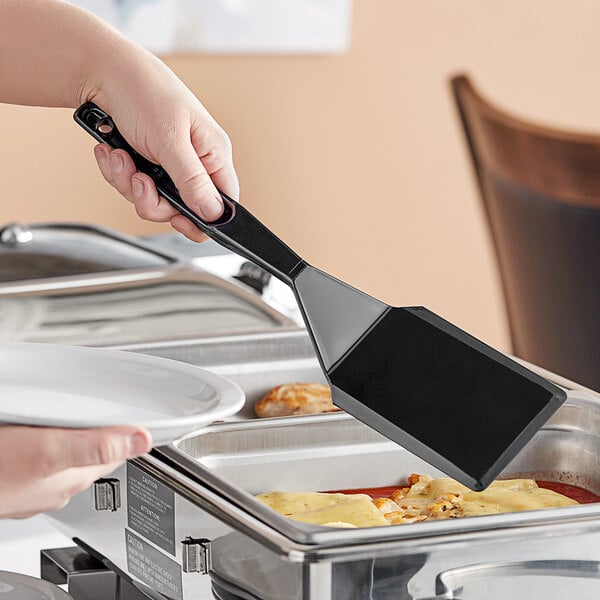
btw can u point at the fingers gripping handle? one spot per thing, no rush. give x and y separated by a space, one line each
237 229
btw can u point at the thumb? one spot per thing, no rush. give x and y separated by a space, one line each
99 446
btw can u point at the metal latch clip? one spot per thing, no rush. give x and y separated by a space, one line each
107 494
196 555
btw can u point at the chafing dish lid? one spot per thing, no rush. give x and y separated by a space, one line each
80 284
57 250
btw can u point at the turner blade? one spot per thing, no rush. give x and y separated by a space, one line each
335 314
424 383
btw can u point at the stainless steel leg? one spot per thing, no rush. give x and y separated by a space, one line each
85 576
316 582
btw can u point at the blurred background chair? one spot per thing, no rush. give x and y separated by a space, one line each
540 188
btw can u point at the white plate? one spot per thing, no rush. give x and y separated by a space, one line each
72 386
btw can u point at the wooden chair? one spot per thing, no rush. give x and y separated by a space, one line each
540 188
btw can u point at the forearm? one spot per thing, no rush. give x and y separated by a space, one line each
54 54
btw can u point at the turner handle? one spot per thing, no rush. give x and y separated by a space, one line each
237 229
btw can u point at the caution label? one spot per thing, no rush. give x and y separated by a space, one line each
153 567
151 508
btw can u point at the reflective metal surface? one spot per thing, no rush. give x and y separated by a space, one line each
337 452
90 286
257 362
258 554
15 233
535 578
61 250
213 476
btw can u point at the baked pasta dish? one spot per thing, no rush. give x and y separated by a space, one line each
423 499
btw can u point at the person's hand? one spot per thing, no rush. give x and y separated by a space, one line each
41 468
161 118
84 59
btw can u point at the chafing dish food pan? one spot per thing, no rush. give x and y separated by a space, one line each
212 478
329 453
256 362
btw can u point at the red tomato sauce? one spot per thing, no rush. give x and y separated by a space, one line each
571 491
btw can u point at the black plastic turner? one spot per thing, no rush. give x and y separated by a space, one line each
422 382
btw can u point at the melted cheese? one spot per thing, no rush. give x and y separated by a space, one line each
427 499
511 495
334 510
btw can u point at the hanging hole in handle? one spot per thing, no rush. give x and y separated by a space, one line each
105 126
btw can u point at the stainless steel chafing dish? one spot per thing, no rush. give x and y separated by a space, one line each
182 522
188 508
78 284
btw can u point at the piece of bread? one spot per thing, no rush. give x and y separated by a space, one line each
295 399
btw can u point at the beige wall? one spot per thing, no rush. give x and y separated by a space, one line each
357 160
